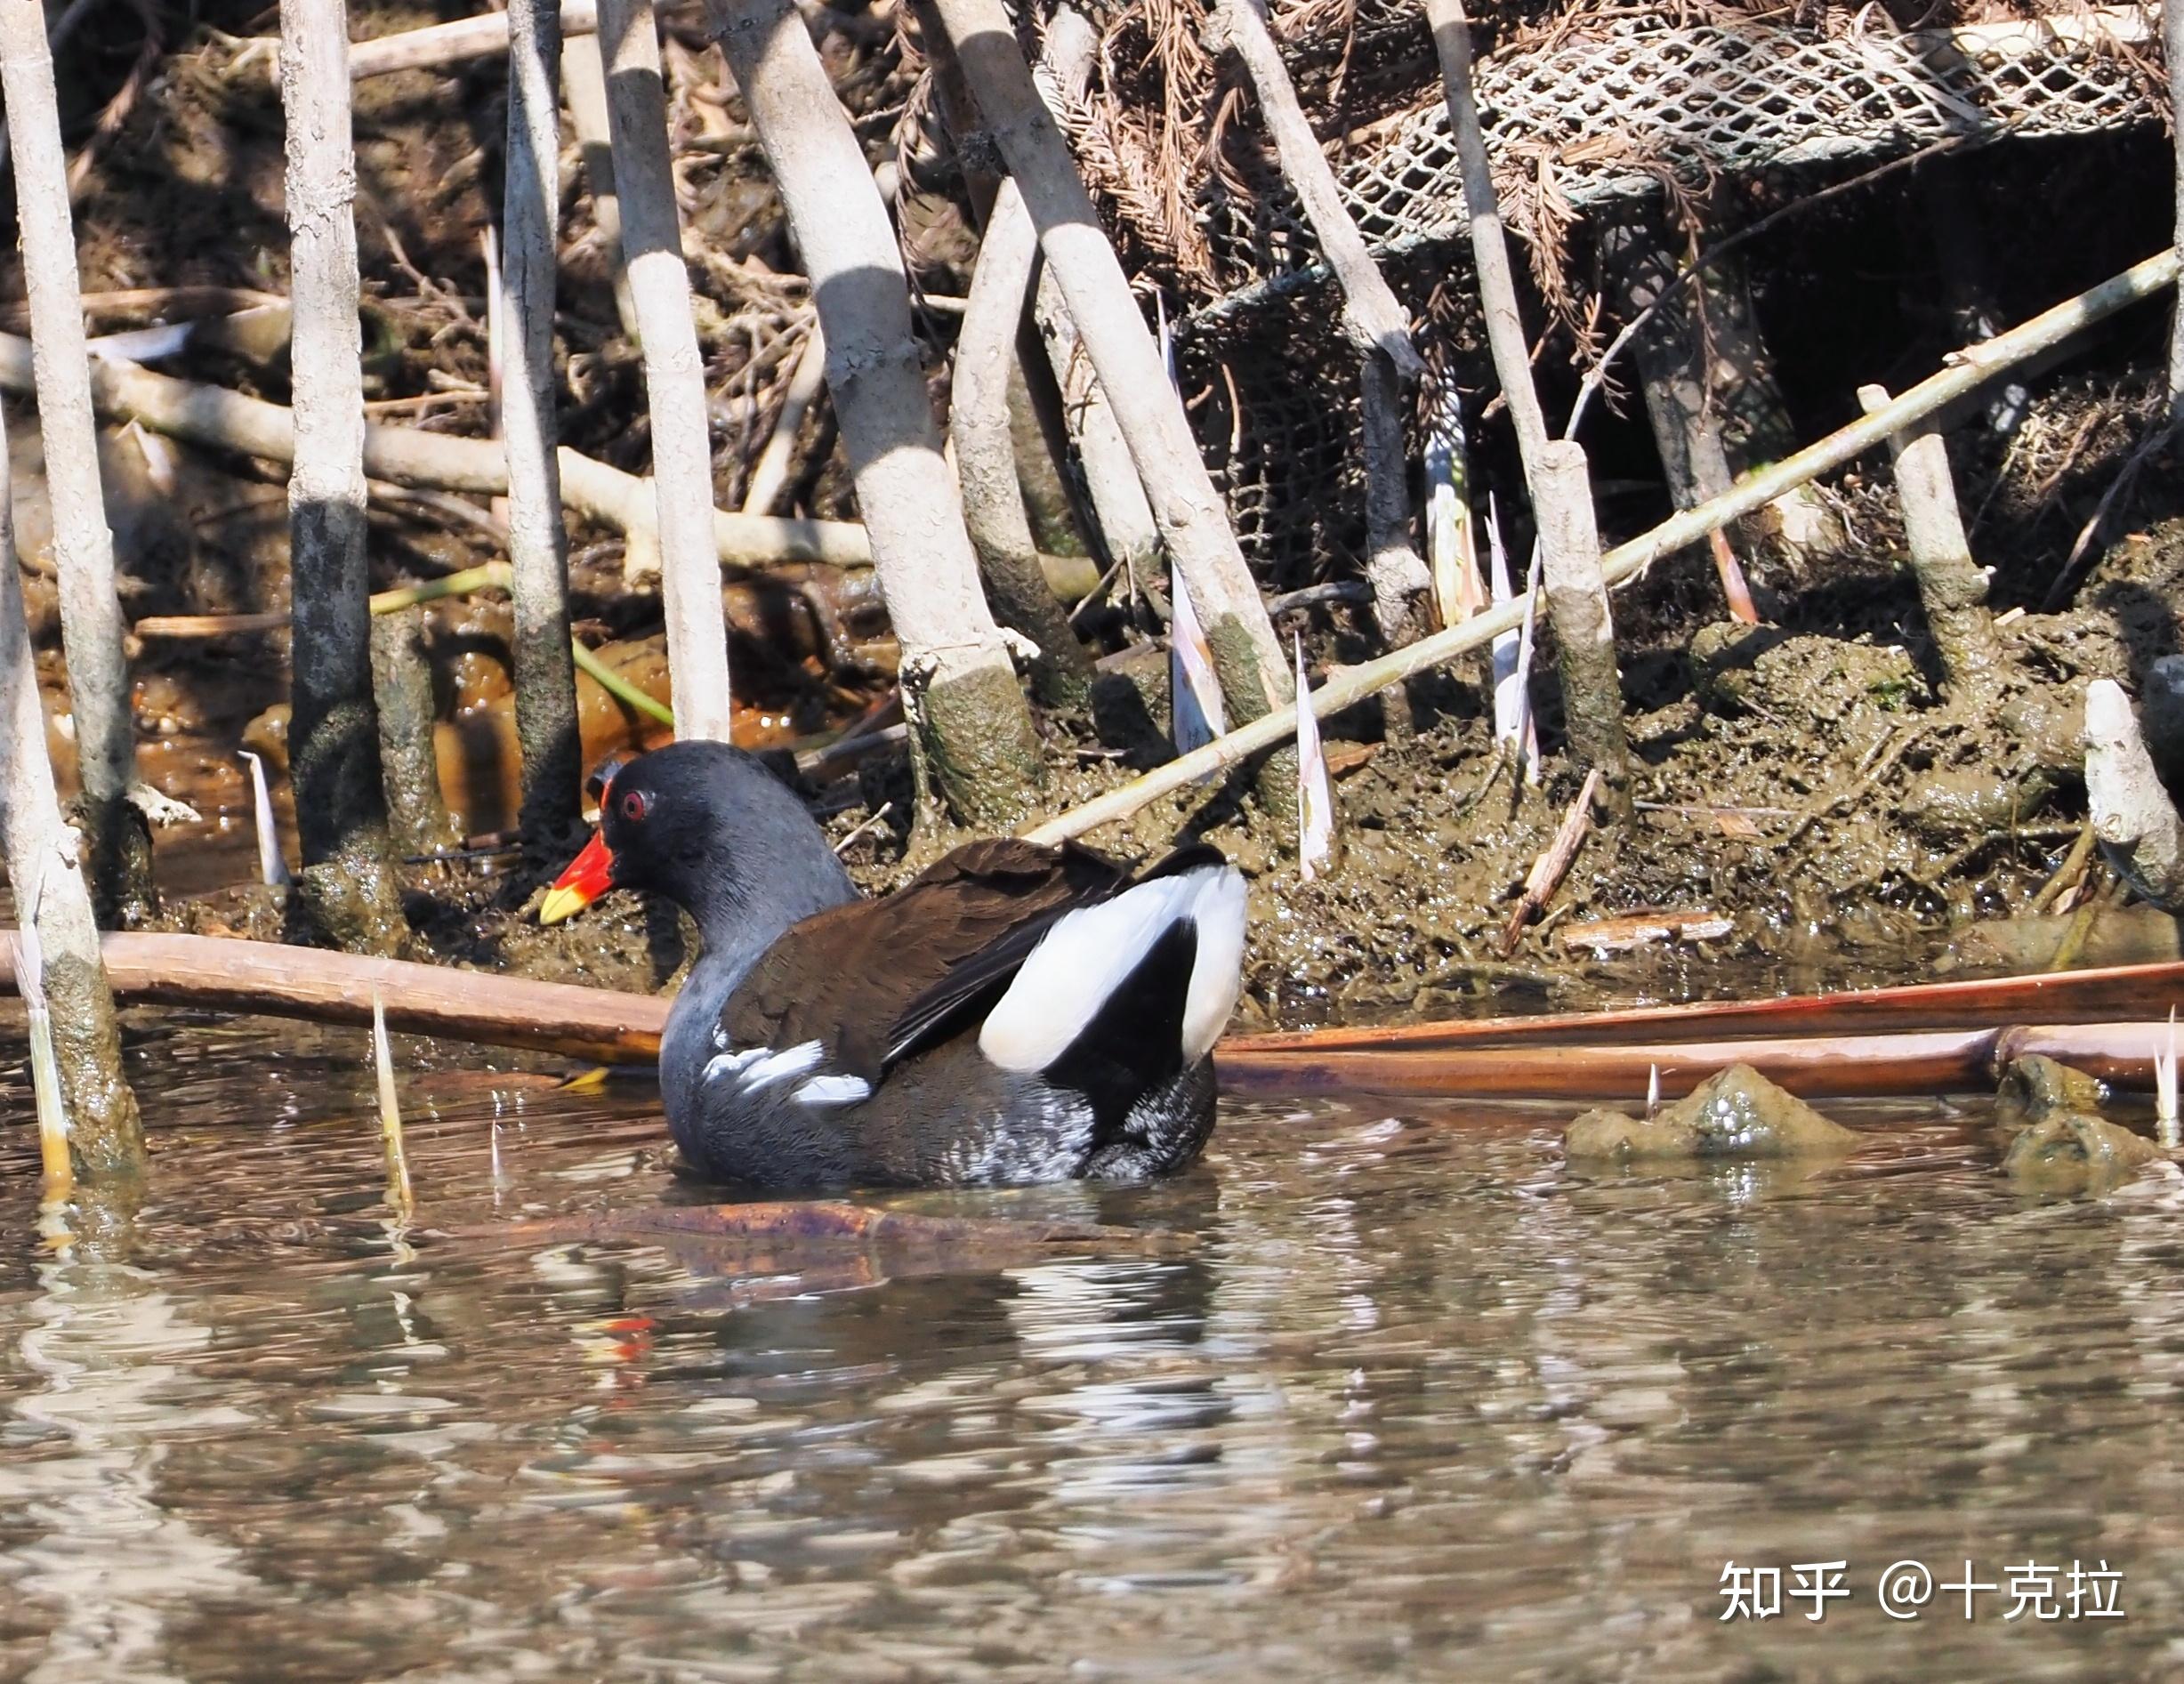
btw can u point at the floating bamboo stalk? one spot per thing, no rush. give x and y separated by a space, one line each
222 974
973 727
979 428
107 1140
545 677
347 884
219 973
1817 1066
1967 371
675 372
1602 1056
1952 589
2052 996
117 840
227 420
1193 521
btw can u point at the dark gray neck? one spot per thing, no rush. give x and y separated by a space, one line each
739 922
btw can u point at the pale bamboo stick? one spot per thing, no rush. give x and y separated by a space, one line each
959 685
118 843
1193 521
106 1138
545 676
347 880
674 370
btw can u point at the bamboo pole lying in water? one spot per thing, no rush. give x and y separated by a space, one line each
1605 1055
1811 1066
2053 996
221 974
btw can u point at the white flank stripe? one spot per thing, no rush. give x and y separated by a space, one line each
1217 976
1080 963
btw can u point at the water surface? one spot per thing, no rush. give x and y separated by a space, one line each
1415 1401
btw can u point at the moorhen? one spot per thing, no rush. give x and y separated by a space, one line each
1016 1013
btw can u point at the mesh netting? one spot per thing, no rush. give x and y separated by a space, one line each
1603 114
1590 120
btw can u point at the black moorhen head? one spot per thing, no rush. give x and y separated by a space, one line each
1018 1013
712 829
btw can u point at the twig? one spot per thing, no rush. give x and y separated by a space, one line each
1878 763
2077 933
769 476
874 823
620 688
398 1190
433 48
2068 873
2160 434
272 869
1551 867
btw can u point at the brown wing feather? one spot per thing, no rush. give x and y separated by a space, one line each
869 980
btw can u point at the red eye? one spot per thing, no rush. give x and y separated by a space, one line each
635 805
